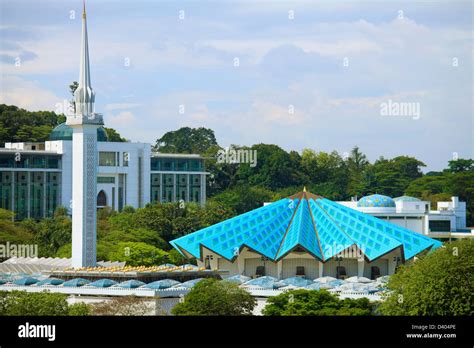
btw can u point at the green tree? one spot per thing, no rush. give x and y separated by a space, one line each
12 232
460 165
440 283
80 309
22 303
244 198
114 136
186 140
315 302
216 297
275 169
390 177
138 254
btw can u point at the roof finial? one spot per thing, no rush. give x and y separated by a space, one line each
304 189
83 8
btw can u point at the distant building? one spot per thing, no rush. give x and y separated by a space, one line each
446 223
35 178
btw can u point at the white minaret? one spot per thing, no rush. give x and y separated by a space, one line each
84 123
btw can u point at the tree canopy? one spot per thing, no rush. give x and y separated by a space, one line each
186 140
315 302
440 283
216 297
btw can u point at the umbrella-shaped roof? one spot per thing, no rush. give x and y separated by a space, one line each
131 284
188 284
239 279
357 279
50 281
326 279
162 284
76 282
296 281
304 221
103 283
264 282
26 281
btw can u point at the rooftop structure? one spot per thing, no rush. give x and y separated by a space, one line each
305 234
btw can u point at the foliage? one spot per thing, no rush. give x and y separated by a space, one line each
138 254
441 186
22 303
315 302
244 198
114 136
186 140
216 297
122 305
20 125
11 232
80 309
440 283
49 233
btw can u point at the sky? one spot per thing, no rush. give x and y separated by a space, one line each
299 74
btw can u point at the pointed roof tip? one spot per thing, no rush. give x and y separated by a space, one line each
83 8
304 188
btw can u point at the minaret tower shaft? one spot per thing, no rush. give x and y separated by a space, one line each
84 123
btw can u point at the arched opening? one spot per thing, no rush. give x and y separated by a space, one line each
101 199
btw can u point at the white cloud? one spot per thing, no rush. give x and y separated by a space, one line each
27 94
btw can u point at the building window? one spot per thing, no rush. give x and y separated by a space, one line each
126 158
440 226
107 159
105 180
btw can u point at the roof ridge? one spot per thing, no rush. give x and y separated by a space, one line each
315 230
287 228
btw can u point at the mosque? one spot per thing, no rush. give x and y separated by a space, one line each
305 235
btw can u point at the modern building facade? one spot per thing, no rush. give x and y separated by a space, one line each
35 178
304 235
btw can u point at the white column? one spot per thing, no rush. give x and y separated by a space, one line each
241 264
280 269
84 195
360 267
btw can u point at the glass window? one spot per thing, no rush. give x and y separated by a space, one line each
105 180
155 163
126 158
107 159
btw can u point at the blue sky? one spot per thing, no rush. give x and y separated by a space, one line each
401 51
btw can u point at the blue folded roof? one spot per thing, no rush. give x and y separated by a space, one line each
305 221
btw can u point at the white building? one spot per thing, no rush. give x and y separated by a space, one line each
445 223
35 178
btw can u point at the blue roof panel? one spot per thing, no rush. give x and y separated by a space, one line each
322 227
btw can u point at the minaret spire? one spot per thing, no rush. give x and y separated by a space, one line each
84 95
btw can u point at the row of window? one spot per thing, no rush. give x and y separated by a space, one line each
30 194
106 159
20 160
174 164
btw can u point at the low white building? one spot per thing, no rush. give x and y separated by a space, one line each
446 223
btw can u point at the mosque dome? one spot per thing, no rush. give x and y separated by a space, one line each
376 201
64 132
406 199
